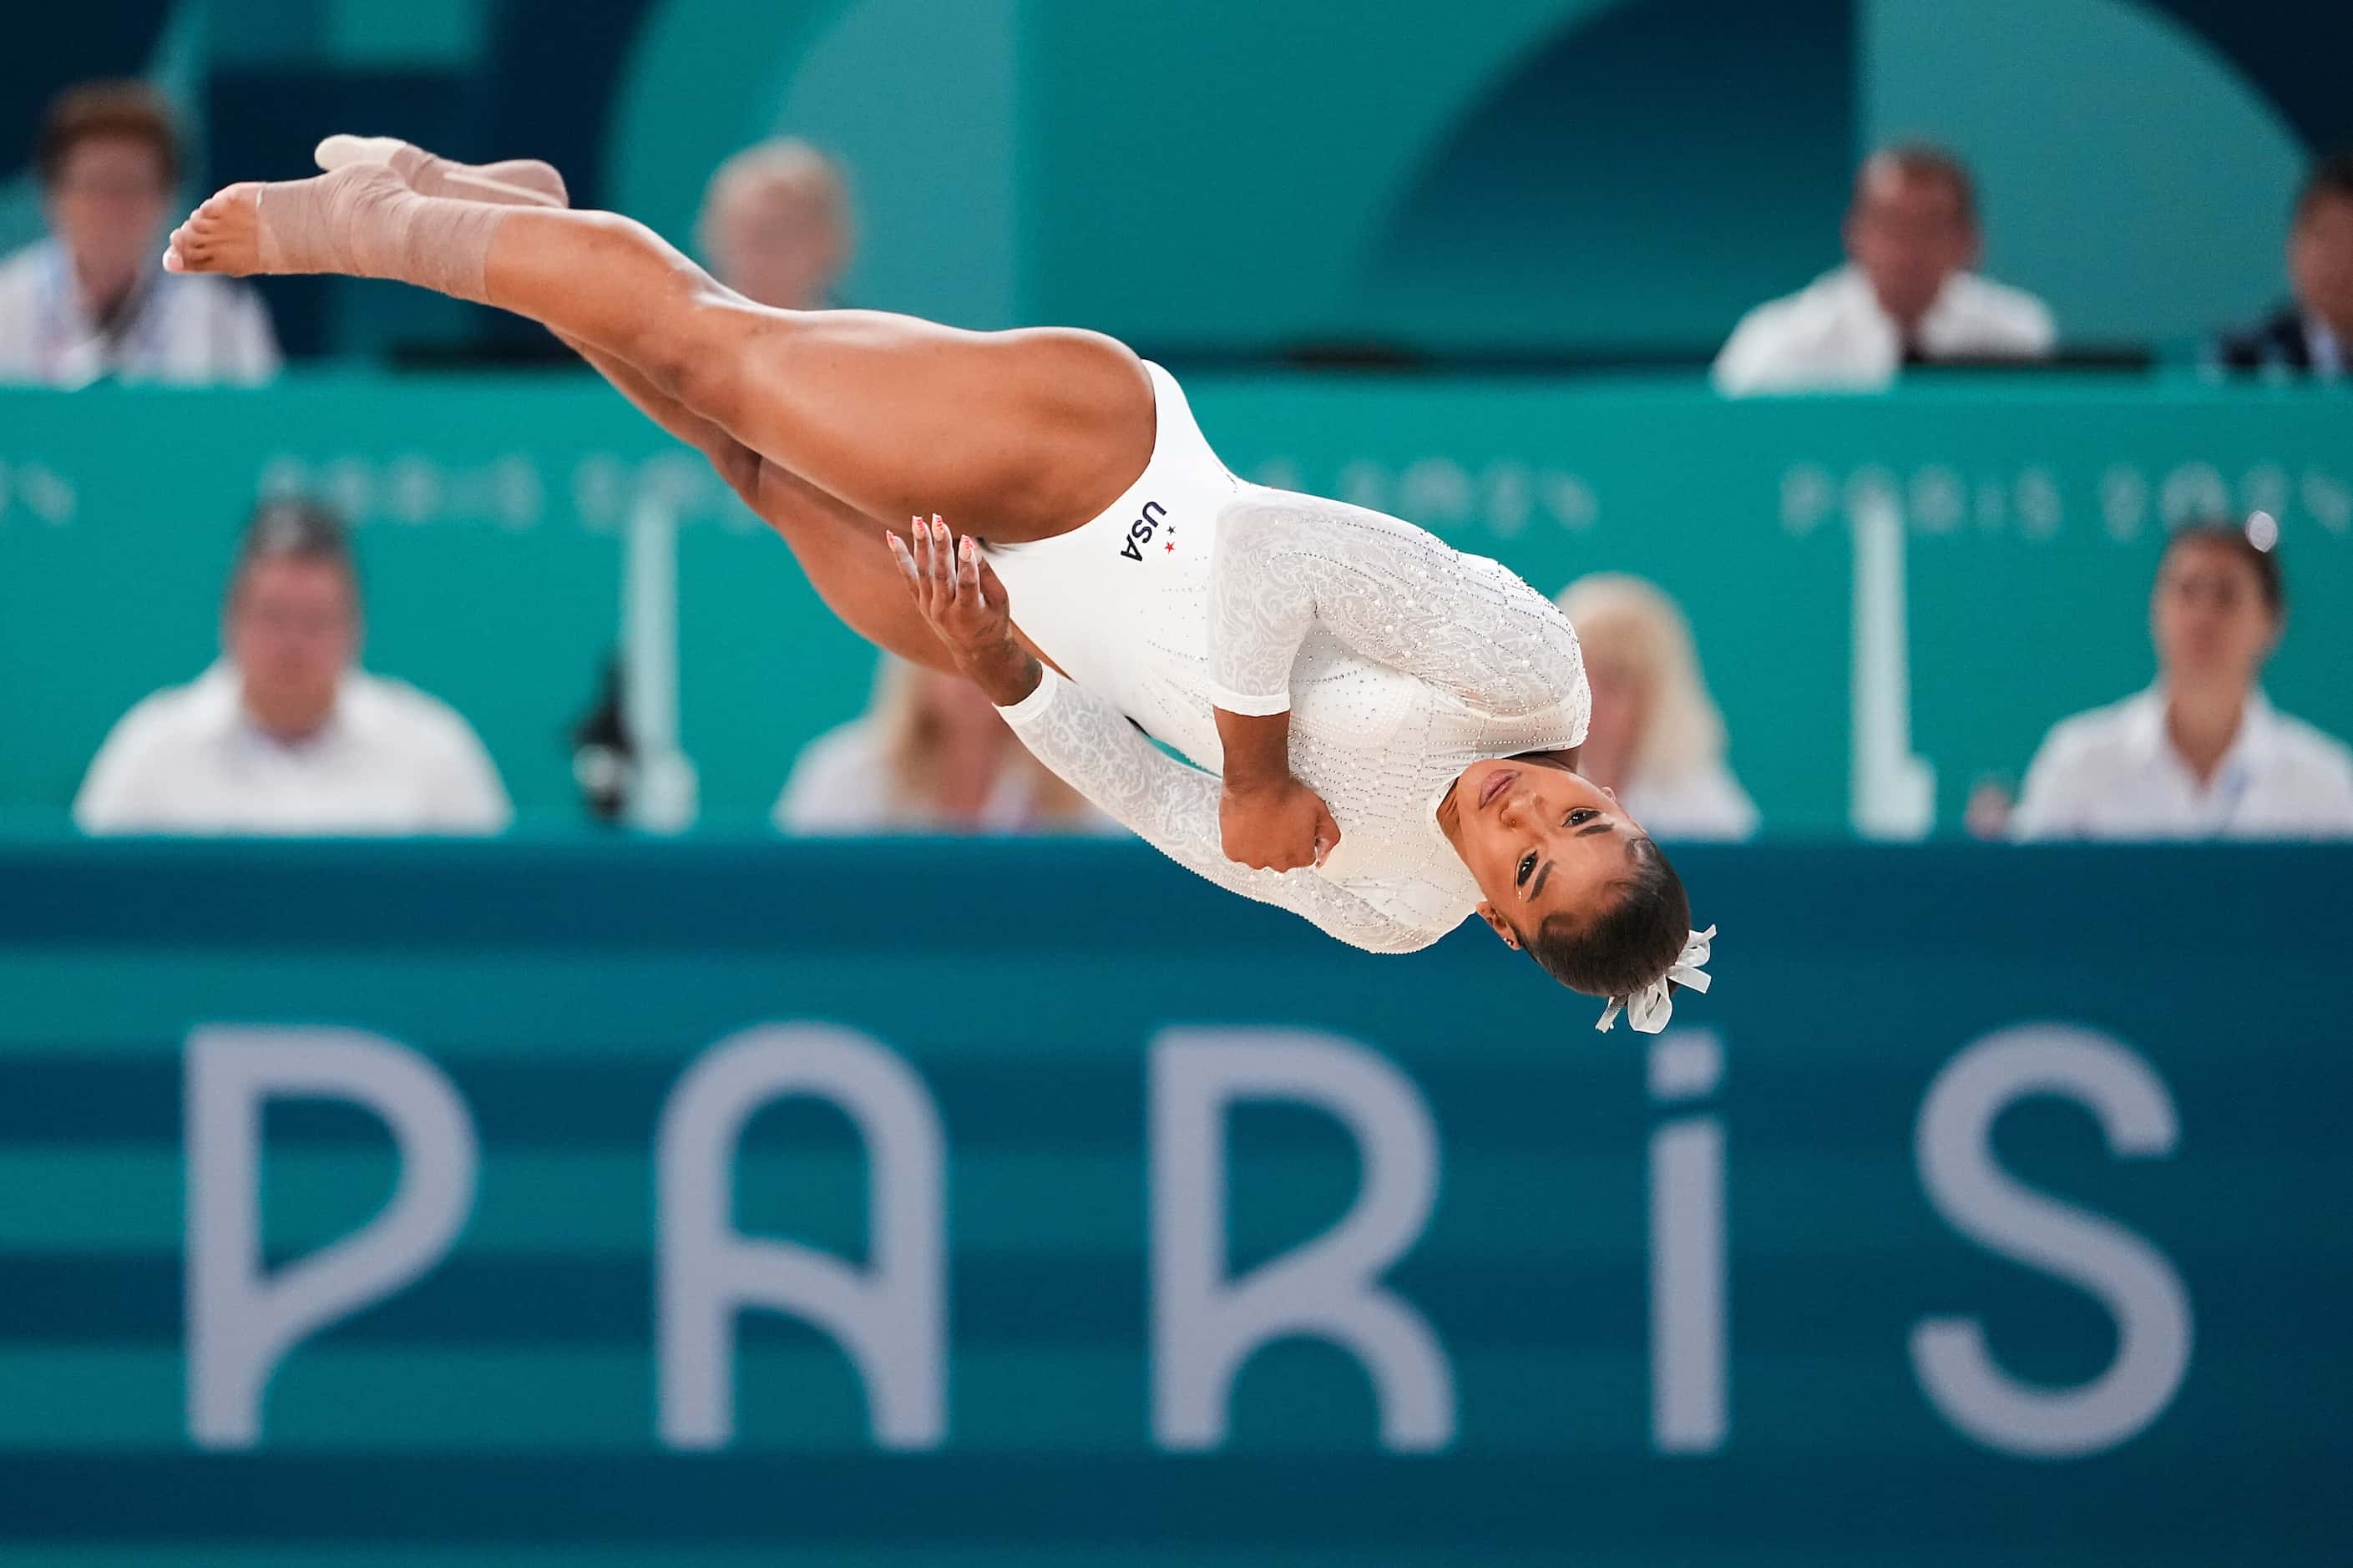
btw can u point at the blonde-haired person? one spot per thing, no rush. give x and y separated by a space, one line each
1657 737
930 754
778 227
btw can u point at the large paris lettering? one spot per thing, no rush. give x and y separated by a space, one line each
1690 1352
242 1320
2130 1278
1206 1324
891 1316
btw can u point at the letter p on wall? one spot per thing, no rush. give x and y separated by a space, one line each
243 1320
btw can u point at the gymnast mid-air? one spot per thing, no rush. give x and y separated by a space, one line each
1384 729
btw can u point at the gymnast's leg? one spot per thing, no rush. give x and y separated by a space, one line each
529 183
841 551
1020 435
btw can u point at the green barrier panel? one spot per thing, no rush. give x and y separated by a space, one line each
492 513
1988 1209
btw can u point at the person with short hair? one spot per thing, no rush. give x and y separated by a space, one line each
778 227
286 734
1909 293
93 300
1656 738
2201 754
2312 334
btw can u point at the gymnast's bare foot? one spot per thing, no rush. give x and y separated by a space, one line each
356 221
222 236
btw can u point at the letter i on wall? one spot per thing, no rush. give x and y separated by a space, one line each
1690 1365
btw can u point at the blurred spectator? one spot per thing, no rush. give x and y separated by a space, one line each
93 300
1985 814
2200 755
777 225
285 734
1656 737
930 755
2314 335
1906 296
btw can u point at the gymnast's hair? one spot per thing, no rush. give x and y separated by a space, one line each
1630 944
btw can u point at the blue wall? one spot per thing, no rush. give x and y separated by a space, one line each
1537 176
1912 1065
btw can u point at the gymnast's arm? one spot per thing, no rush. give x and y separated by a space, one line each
1393 593
1092 746
1175 808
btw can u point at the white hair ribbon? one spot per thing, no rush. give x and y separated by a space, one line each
1649 1009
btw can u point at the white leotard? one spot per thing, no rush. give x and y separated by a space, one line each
1401 660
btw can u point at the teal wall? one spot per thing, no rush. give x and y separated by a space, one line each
500 1408
2132 176
1531 175
490 514
1595 174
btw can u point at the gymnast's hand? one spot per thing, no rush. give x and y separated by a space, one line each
965 606
1279 825
1266 817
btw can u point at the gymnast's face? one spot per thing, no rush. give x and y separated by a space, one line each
1540 838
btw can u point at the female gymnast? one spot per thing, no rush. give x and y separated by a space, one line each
1386 729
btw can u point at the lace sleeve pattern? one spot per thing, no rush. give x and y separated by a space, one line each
1392 592
1174 807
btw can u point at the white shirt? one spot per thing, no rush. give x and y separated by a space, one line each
186 328
2113 772
839 785
1705 805
1833 335
2329 360
389 760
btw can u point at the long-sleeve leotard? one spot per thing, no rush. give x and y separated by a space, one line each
1174 807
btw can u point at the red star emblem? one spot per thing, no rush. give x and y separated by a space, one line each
1170 545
